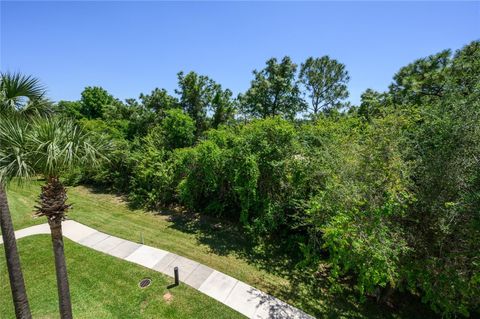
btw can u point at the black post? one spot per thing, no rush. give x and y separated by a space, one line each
175 271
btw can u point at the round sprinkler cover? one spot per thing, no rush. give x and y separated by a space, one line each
145 282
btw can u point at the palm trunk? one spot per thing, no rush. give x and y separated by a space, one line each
17 284
53 205
61 269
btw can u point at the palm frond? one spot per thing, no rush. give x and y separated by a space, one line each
41 107
14 154
60 145
18 91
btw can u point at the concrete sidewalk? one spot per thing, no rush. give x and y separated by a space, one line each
244 298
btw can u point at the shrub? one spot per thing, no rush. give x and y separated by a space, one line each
177 129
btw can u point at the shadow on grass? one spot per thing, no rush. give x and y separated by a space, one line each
308 289
103 189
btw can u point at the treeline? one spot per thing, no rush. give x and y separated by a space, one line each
388 190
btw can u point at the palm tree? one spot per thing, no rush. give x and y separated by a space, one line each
19 96
57 146
13 165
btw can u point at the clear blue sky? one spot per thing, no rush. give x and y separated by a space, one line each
129 48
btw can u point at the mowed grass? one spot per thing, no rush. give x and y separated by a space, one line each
101 287
21 200
215 244
108 213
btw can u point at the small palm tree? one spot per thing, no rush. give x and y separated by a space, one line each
19 97
58 145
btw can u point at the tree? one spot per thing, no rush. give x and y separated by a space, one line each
274 91
20 96
131 117
446 149
200 95
58 145
326 80
12 141
94 100
195 95
70 108
222 106
422 81
465 71
373 104
159 101
437 98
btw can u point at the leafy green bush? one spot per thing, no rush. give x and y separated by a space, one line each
201 188
177 129
150 181
245 174
369 244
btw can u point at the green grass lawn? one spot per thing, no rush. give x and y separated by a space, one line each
218 245
101 287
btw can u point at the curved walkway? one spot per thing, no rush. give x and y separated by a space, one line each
244 298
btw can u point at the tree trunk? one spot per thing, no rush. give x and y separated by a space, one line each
61 269
17 284
53 205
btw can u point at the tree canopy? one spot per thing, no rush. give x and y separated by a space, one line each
274 91
93 102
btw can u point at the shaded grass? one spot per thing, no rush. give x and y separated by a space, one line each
101 286
219 245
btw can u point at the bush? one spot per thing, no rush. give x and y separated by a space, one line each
201 189
244 174
177 129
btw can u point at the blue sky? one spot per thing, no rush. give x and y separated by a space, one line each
133 47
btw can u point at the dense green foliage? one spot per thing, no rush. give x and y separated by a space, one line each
387 191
